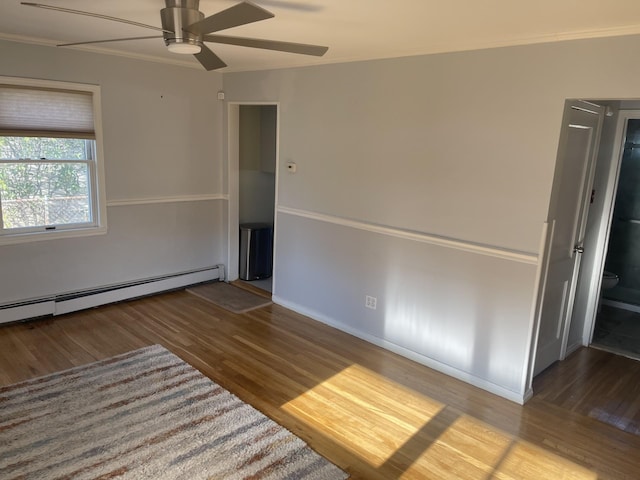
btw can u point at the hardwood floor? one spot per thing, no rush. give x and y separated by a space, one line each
597 384
373 413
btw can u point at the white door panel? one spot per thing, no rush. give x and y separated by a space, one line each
572 186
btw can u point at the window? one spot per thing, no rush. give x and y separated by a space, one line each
50 163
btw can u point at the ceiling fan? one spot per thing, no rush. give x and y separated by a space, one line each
185 29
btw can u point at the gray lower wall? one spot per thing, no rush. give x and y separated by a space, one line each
162 142
257 196
143 241
467 311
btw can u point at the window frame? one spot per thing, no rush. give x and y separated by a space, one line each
89 164
96 180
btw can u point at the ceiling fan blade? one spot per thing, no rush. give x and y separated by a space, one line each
209 60
106 41
96 15
240 14
302 48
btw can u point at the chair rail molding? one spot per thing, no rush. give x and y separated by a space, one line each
168 199
488 250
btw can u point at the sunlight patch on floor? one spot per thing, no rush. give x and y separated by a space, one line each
390 413
395 429
470 448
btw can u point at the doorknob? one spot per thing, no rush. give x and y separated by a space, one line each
578 249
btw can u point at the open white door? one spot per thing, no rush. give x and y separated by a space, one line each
567 219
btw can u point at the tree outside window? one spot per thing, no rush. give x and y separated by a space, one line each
44 181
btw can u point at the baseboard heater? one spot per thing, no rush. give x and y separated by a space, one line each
83 299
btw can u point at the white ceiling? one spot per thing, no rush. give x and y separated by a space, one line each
352 29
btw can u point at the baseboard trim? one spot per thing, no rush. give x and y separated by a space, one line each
621 305
30 310
83 299
133 291
410 354
572 348
528 395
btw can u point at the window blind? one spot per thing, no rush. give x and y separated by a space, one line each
44 112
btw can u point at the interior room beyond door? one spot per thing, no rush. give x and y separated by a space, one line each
257 190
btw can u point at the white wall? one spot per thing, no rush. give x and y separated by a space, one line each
460 146
162 144
257 150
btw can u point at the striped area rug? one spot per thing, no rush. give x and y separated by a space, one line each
144 415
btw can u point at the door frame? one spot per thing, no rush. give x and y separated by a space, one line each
548 235
233 188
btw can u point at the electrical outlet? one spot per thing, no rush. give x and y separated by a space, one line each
370 302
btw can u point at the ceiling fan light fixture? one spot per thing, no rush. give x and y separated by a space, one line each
185 29
184 48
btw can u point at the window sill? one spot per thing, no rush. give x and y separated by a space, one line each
13 239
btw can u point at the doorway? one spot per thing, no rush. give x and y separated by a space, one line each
252 186
567 221
588 302
617 322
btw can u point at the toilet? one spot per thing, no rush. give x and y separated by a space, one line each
609 280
